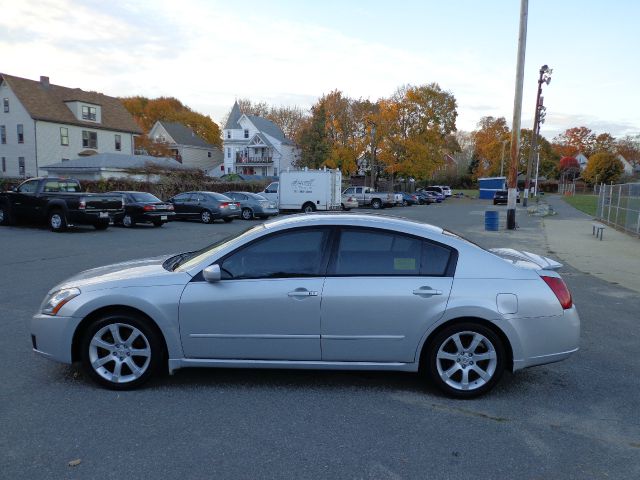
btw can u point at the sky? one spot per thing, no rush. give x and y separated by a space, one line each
207 53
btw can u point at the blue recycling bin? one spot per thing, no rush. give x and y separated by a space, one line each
491 220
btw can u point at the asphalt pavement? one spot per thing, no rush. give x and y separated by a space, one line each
576 419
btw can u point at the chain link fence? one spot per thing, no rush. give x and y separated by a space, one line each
619 206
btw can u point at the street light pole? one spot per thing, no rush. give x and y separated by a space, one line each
517 111
545 77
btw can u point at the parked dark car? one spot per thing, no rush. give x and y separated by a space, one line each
204 206
253 205
439 191
501 197
143 207
60 202
409 199
424 198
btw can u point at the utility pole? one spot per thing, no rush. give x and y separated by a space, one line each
373 155
517 111
545 77
504 144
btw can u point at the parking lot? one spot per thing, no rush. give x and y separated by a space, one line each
575 419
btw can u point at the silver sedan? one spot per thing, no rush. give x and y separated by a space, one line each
320 291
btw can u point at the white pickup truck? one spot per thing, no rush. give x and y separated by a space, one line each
366 196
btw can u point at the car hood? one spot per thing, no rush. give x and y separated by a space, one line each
143 272
524 259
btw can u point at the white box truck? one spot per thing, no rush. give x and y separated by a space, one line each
306 190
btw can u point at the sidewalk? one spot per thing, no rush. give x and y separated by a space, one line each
615 259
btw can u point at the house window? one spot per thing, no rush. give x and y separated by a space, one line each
228 153
246 133
275 172
118 143
228 133
3 134
21 166
20 133
4 164
89 113
5 102
64 136
89 139
209 154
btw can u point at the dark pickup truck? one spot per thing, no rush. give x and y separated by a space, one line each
60 202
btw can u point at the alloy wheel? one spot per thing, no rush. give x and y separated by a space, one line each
205 216
466 361
119 353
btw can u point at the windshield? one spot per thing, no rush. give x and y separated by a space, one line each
144 197
191 259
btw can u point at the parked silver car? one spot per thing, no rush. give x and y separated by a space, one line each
320 291
253 205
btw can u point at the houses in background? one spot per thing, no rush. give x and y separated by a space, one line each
626 165
188 148
42 124
253 145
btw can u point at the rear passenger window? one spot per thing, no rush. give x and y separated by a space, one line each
367 252
381 253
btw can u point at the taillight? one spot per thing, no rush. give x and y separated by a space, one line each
83 204
558 287
148 208
169 207
224 204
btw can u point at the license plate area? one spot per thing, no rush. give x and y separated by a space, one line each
104 215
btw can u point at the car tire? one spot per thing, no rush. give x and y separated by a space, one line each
206 217
115 360
5 216
128 221
495 203
228 219
57 220
247 214
405 203
376 204
101 225
308 208
465 351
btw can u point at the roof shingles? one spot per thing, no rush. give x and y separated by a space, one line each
47 103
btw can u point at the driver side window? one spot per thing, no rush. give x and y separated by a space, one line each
28 187
298 253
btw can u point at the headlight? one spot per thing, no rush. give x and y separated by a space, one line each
54 302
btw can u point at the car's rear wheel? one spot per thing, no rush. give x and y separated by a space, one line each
57 220
205 216
247 214
5 216
308 208
121 351
405 203
466 360
376 204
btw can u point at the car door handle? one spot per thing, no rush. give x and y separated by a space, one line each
427 291
302 293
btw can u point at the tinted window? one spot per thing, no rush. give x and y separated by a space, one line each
218 197
28 187
291 254
181 198
367 252
56 186
144 197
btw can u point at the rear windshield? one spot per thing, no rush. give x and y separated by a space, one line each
144 197
218 196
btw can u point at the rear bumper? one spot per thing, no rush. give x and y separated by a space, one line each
79 217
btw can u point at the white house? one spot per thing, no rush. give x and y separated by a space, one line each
628 168
582 160
253 145
42 124
187 147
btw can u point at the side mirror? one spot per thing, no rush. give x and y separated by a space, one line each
212 273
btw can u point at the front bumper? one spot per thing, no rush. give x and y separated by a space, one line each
53 336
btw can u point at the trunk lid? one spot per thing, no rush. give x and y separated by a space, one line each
524 259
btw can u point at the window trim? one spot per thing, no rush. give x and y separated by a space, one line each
89 132
117 142
20 132
448 273
324 261
3 134
5 105
22 167
89 116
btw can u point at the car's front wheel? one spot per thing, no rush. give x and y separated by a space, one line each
466 360
121 351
